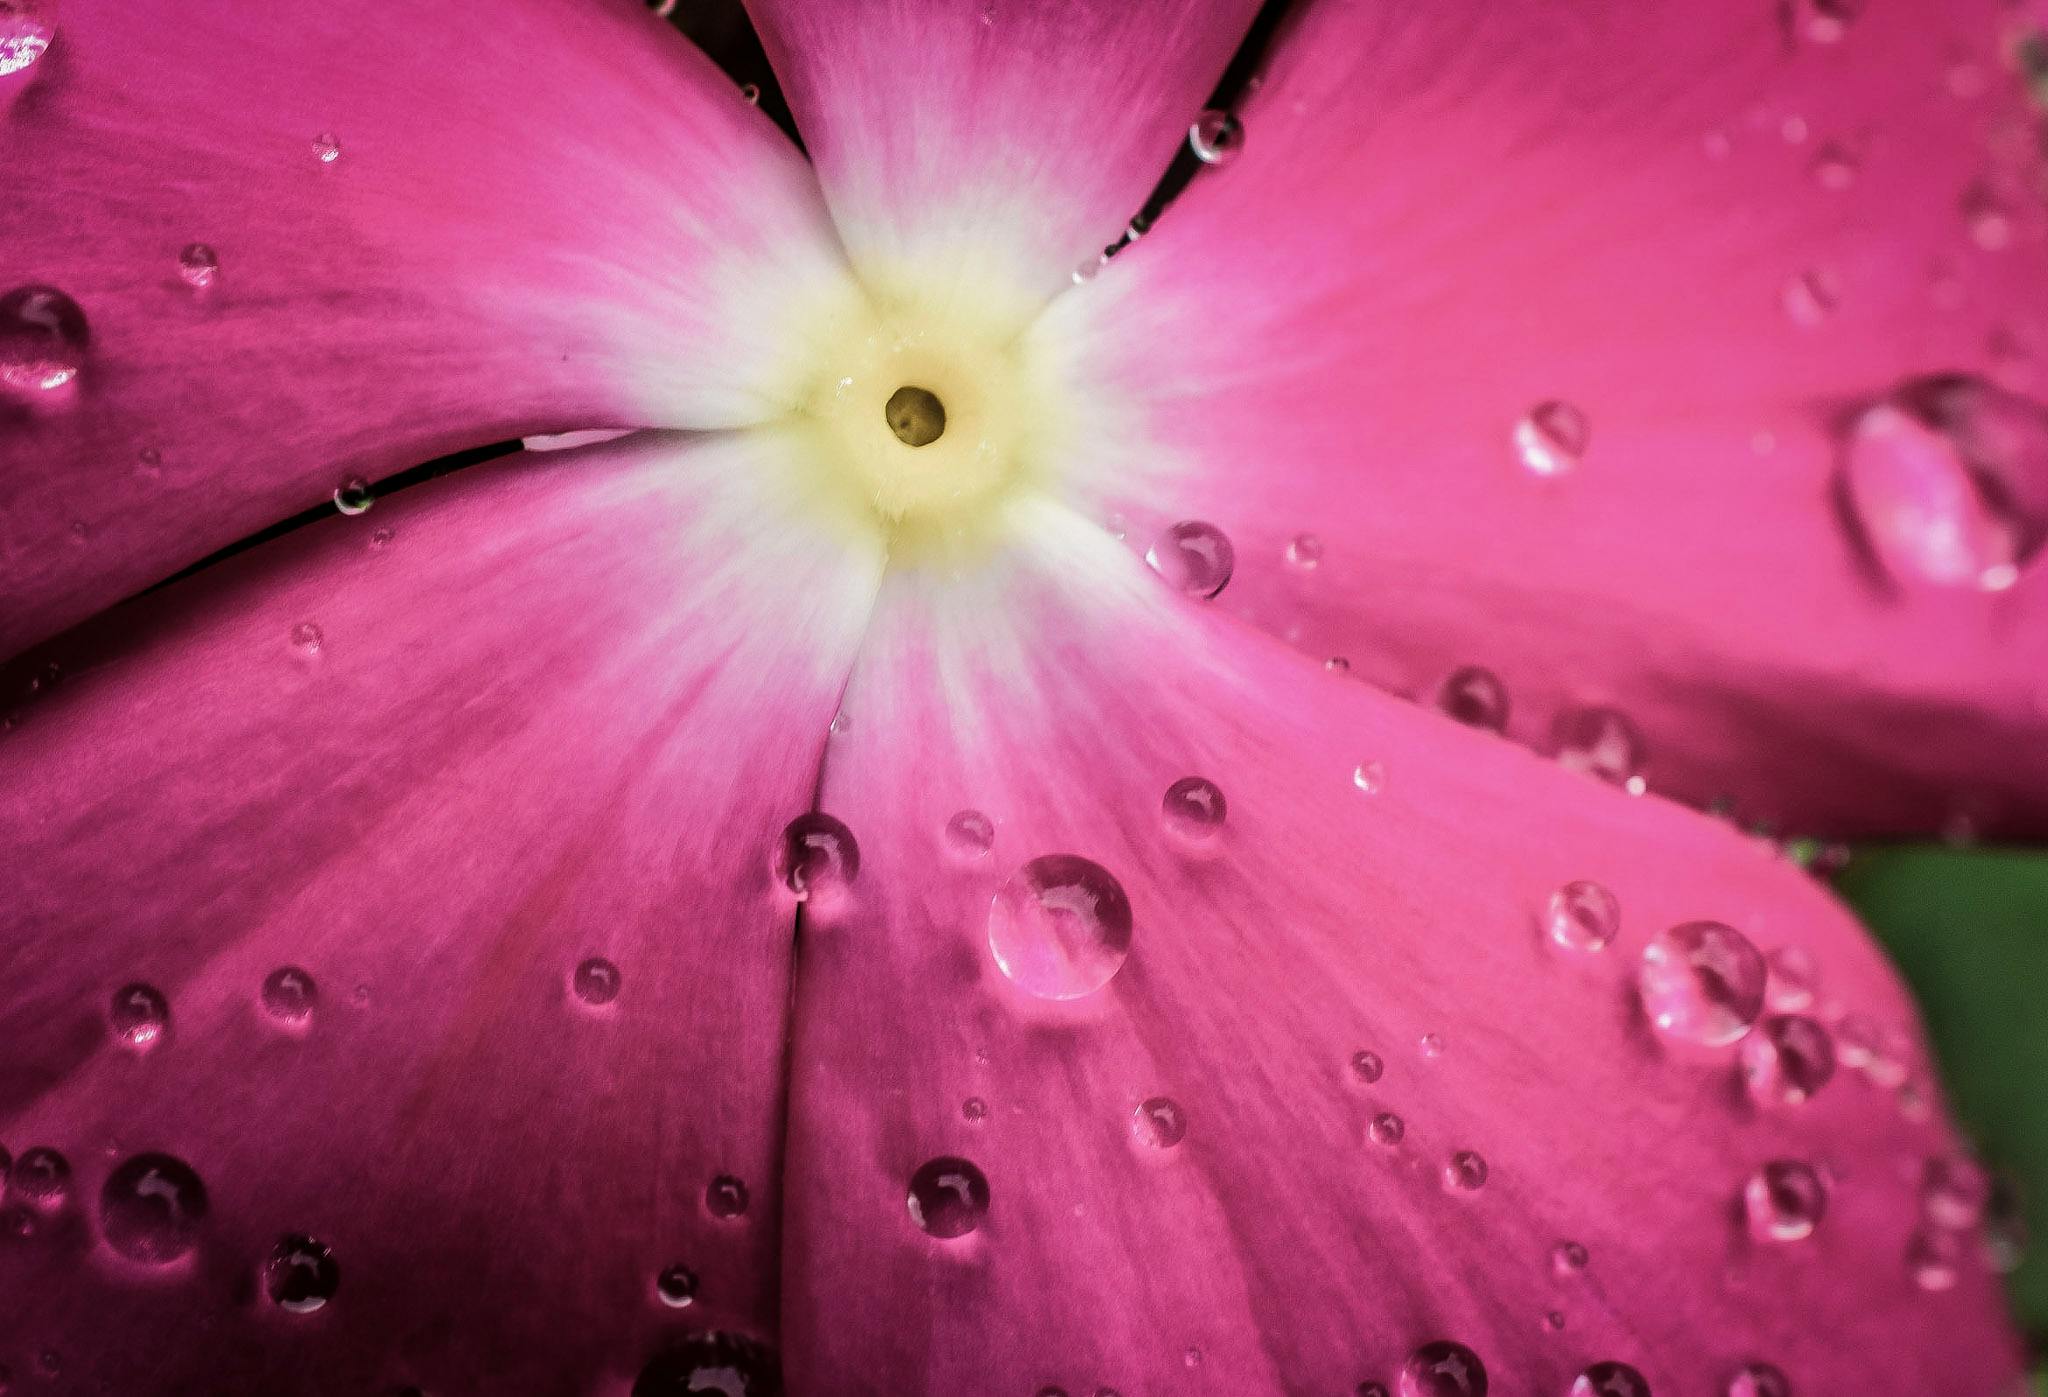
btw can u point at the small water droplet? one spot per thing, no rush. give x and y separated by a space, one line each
1060 927
1552 437
1989 220
1955 1192
1371 1389
1191 1357
1583 916
1304 552
1784 1201
816 856
1387 1128
1811 296
151 1209
1193 557
1701 982
596 981
307 638
750 93
974 1109
1818 21
1370 777
26 28
1601 742
1934 1258
380 539
711 1364
1216 137
1159 1123
43 339
42 1178
676 1286
1475 697
948 1196
141 1016
1430 1045
1758 1380
1086 271
970 835
1465 1172
1792 978
327 148
1609 1379
1835 167
1194 809
1786 1060
1367 1066
353 496
289 994
149 461
725 1197
1443 1369
1568 1259
199 265
301 1275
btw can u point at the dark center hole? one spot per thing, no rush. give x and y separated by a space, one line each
916 416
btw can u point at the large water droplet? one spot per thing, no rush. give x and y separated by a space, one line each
676 1286
1609 1379
301 1275
1552 438
948 1196
1194 809
1702 982
816 856
1787 1060
1159 1123
1193 557
1758 1380
141 1016
1443 1369
289 994
42 1178
1784 1201
970 835
711 1365
26 28
1601 742
151 1208
1216 137
1475 697
596 981
43 339
1060 927
726 1197
1583 916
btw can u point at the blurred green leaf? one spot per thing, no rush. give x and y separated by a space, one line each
1969 929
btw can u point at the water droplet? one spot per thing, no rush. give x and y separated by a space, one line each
1955 1191
1475 697
816 856
1934 1258
1702 982
1366 1065
289 995
1337 664
974 1109
43 339
1443 1369
1990 222
1793 977
1465 1172
307 638
353 496
1552 437
1601 742
1371 1389
711 1365
199 265
970 835
948 1196
1159 1123
1568 1259
380 539
1193 557
596 981
750 93
1060 927
1216 137
1387 1128
26 28
1811 296
1758 1380
42 1178
1430 1045
1553 1320
141 1016
300 1275
327 148
149 461
725 1197
1818 21
1609 1379
1583 916
1194 809
1787 1060
151 1209
1835 167
1304 551
1191 1357
676 1286
1370 777
1784 1201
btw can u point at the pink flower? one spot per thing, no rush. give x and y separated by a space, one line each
791 889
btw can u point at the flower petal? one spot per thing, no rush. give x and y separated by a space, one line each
556 709
1257 1226
965 146
1548 331
556 215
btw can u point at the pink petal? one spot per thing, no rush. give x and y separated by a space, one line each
1278 1245
556 708
555 215
965 144
1548 334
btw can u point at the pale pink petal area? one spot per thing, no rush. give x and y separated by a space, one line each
1539 339
971 144
446 765
311 244
1241 1163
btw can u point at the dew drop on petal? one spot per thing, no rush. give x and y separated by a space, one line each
712 1364
816 855
750 93
1702 983
1955 1192
1060 927
1193 557
1792 978
948 1196
1786 1060
1159 1123
1475 697
974 1109
300 1275
151 1208
676 1286
1216 137
289 994
1552 437
26 28
1370 777
1934 1258
327 148
596 981
1194 808
1583 916
1811 296
1819 21
1609 1379
307 638
353 496
1465 1172
1568 1259
1387 1129
725 1197
1784 1201
42 1178
1443 1369
1304 552
43 339
1601 742
1430 1045
1757 1380
1835 167
199 265
970 835
1366 1065
141 1016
